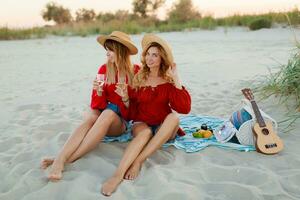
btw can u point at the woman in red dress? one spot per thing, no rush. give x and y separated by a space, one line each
108 113
156 91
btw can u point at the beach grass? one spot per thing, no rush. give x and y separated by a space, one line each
285 84
151 24
12 34
273 17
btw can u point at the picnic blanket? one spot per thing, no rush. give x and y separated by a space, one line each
188 143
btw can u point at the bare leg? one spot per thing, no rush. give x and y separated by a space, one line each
167 131
70 146
108 123
142 134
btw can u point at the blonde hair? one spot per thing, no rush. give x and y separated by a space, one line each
122 62
140 78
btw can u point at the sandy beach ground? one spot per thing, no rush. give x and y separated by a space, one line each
45 88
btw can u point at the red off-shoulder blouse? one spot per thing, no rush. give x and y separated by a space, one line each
109 95
152 104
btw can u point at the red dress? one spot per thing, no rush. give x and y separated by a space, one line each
152 104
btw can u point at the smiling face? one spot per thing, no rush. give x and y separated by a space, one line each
153 58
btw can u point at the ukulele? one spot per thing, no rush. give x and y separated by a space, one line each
267 141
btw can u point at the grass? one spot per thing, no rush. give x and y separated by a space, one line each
274 17
286 84
134 26
12 34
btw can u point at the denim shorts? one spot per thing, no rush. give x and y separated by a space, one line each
116 110
153 128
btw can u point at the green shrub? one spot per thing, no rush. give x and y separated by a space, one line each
259 24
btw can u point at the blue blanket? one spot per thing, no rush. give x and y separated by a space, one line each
188 143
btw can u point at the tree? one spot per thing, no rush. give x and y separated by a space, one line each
122 14
85 15
183 11
56 13
144 7
105 17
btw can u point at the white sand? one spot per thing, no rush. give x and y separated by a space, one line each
45 87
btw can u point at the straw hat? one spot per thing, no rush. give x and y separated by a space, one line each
150 38
120 37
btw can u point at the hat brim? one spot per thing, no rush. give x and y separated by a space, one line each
148 39
132 48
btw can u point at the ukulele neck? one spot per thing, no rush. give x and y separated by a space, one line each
258 115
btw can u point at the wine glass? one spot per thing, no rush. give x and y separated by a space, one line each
100 79
121 79
122 84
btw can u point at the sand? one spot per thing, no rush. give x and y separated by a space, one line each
45 89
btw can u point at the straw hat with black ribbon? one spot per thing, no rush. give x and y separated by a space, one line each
148 39
120 37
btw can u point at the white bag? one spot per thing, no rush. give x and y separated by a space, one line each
245 132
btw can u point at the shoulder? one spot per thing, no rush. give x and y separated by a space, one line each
169 87
102 69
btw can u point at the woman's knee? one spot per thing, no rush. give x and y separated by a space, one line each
91 118
108 113
141 130
173 117
105 116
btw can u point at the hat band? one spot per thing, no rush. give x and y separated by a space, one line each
117 37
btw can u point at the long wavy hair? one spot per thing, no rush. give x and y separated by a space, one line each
141 77
122 64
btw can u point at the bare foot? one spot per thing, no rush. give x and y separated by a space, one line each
56 170
110 185
133 171
46 162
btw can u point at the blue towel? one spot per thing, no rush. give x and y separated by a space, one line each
188 143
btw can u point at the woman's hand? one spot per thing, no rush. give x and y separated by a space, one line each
173 73
121 90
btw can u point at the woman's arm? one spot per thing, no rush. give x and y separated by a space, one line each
172 71
180 99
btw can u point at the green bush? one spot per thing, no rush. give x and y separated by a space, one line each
208 23
259 24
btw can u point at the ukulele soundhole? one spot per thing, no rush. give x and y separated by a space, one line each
265 131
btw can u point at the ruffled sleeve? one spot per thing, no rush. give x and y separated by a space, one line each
99 102
180 100
136 68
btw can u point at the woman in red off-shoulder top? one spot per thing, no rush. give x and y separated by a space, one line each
108 113
156 92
